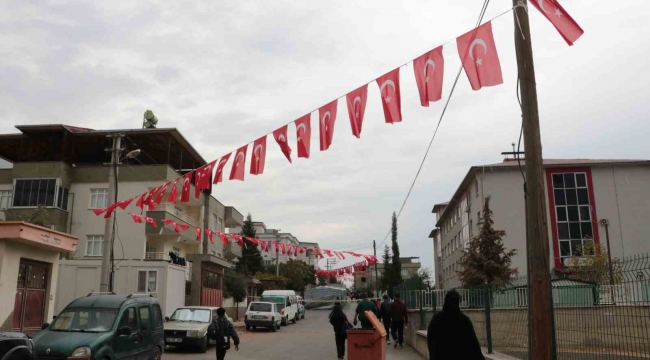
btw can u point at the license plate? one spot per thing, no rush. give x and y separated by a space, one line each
259 317
174 340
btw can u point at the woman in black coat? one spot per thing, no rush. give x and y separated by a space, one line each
338 321
451 334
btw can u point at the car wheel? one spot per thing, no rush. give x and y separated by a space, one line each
248 328
284 322
156 354
204 346
278 326
293 321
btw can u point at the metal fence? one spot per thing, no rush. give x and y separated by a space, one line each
593 319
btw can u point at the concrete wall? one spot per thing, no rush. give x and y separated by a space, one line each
82 277
10 254
49 169
231 309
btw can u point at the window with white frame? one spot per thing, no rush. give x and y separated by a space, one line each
219 224
573 212
94 245
5 199
98 198
213 222
147 281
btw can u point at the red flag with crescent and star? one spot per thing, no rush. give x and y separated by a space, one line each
210 233
203 177
198 233
159 195
303 135
173 197
356 108
563 22
429 69
326 120
224 238
280 136
239 164
479 56
218 174
185 191
259 156
136 218
151 221
390 96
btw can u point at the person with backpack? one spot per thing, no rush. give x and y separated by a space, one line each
341 325
385 316
221 330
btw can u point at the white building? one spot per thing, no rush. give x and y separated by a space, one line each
580 194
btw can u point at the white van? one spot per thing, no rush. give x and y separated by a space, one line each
287 303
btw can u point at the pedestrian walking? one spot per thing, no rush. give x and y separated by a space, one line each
399 320
221 330
360 313
451 334
385 316
340 324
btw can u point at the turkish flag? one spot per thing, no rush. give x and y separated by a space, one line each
390 96
284 250
176 226
198 233
110 209
99 211
563 22
479 56
136 218
259 156
210 233
123 204
202 178
173 197
429 69
327 117
224 238
303 135
187 182
218 175
239 165
151 221
280 136
356 108
158 198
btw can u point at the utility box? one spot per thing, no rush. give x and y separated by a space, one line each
367 344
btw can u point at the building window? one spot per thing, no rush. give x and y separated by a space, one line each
219 224
147 281
94 245
151 252
178 212
476 187
35 192
62 198
98 198
572 211
213 223
5 199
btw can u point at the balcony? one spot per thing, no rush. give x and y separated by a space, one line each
232 251
176 214
233 217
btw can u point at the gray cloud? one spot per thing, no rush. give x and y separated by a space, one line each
227 72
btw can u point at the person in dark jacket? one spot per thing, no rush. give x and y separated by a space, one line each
222 331
339 321
385 316
451 335
399 320
360 313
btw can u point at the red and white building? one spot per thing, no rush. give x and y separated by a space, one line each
583 198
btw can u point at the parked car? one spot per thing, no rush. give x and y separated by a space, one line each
188 327
16 346
262 314
104 327
286 302
301 307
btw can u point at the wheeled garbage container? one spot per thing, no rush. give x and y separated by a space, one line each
367 344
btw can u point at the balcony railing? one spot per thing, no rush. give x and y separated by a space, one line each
173 210
156 256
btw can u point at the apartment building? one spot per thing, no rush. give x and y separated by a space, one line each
367 279
584 199
63 169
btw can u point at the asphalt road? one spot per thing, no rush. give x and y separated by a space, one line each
309 339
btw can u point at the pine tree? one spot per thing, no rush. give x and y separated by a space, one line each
486 259
395 278
251 260
387 269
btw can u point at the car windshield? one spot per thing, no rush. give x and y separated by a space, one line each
198 315
276 299
85 320
261 307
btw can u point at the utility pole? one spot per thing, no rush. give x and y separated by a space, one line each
374 248
277 253
539 293
106 280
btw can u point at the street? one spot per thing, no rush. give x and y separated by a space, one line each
309 339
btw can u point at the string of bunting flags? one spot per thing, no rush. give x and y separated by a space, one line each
478 53
264 245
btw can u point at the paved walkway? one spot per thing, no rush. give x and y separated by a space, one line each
309 339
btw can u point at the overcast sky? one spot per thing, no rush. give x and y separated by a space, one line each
226 72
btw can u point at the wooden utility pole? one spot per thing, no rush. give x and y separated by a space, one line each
106 279
539 296
374 247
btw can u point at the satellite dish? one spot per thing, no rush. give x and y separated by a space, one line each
150 120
